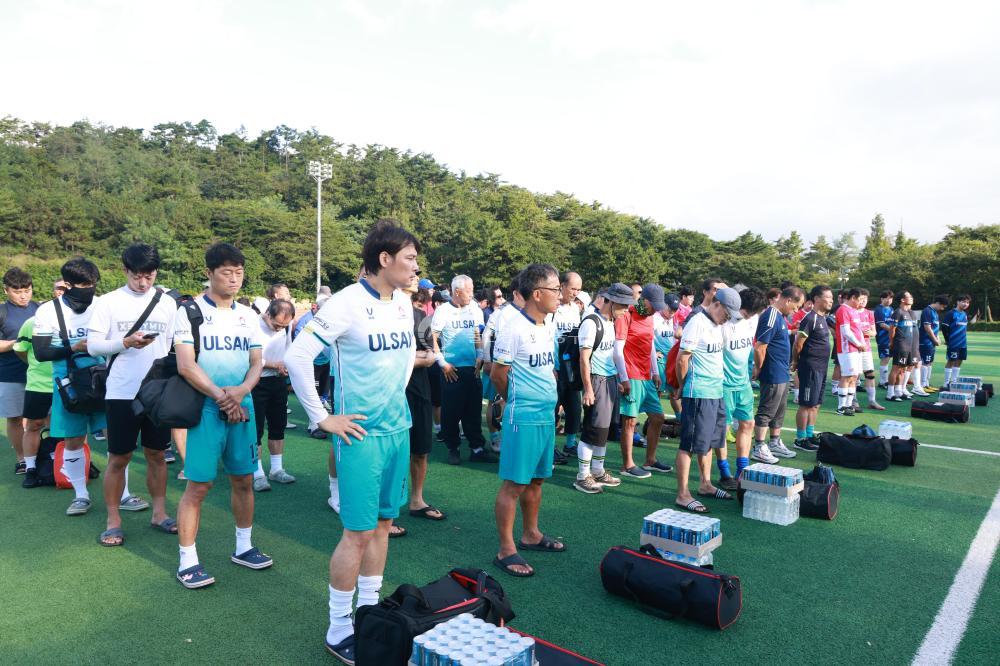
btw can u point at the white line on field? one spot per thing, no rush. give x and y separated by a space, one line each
952 619
940 446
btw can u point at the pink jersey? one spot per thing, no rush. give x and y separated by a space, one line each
681 315
867 323
853 318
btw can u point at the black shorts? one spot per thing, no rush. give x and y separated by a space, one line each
958 353
812 382
422 430
125 428
270 402
36 405
703 425
434 374
904 359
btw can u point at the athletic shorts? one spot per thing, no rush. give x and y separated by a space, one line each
270 404
527 452
489 391
927 354
11 400
867 363
214 438
36 405
883 350
739 403
904 359
66 424
812 383
771 408
372 478
124 429
597 418
850 363
661 369
703 425
642 398
422 428
957 353
434 374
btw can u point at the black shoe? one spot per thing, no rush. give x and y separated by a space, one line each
439 436
344 650
856 407
729 483
30 479
559 458
482 456
453 457
848 411
806 444
169 456
316 433
20 468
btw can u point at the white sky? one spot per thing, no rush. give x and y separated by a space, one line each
721 116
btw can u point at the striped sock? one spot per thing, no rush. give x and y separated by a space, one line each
584 455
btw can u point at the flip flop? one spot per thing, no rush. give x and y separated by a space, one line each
400 532
547 544
695 506
506 563
718 494
114 532
167 526
424 513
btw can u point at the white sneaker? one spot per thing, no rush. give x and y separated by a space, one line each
763 453
334 504
495 446
280 476
779 449
922 393
588 485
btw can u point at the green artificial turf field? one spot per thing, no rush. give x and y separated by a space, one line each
863 588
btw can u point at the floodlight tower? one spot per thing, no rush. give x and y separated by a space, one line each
319 171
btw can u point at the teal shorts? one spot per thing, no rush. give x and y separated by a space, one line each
739 403
67 424
373 475
213 438
527 451
642 399
489 392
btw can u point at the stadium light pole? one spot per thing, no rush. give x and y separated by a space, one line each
319 171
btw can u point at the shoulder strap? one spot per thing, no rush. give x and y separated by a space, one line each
3 314
599 334
195 317
64 333
139 322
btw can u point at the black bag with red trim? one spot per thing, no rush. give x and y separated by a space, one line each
550 654
384 632
904 451
940 411
672 588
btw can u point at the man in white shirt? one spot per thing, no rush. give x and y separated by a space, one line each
270 395
566 318
132 327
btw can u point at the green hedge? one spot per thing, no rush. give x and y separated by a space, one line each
985 326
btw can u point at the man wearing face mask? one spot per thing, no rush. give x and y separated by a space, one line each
131 327
74 307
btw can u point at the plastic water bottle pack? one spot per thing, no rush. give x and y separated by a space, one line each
468 641
770 508
703 561
773 475
978 381
900 429
681 527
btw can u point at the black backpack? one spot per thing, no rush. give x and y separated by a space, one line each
384 632
569 352
44 462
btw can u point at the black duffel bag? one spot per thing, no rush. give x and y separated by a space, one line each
940 411
384 632
982 398
820 495
989 389
854 452
672 588
904 451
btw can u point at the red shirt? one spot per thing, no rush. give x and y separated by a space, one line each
851 317
637 332
797 318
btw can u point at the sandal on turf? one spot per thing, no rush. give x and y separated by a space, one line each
425 513
167 526
546 544
513 560
694 505
133 503
113 533
400 531
718 494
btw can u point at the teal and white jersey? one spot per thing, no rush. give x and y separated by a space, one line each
663 334
227 336
602 361
458 332
47 325
738 337
498 320
703 338
373 352
528 348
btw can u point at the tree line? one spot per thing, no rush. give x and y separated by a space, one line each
92 189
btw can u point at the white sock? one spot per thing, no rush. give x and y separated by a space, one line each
890 391
883 374
950 375
584 453
906 379
75 469
900 390
125 493
29 461
276 463
925 376
437 428
368 589
795 394
243 539
335 488
835 384
340 616
189 557
259 472
597 462
851 397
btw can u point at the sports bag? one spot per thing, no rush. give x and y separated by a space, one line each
672 588
550 654
940 411
671 428
45 460
989 390
982 398
670 367
384 632
820 496
164 397
854 452
904 451
82 391
55 463
569 352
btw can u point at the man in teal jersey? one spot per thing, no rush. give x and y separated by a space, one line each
225 369
524 373
738 336
701 371
370 326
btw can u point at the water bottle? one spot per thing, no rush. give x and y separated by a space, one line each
67 387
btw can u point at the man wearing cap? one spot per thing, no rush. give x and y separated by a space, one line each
772 363
566 318
598 371
701 372
634 341
738 336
